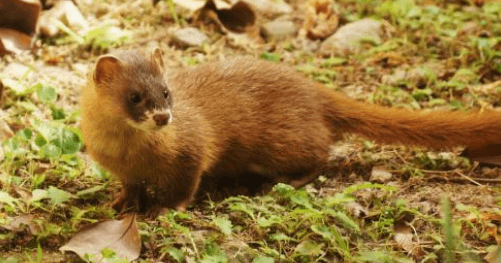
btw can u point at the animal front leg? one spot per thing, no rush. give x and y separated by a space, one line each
131 198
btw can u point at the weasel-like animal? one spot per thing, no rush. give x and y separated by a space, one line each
237 117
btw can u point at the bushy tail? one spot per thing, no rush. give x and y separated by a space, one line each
438 129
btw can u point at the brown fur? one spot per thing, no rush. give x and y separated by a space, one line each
244 116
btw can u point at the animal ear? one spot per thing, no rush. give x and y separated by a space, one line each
156 57
106 68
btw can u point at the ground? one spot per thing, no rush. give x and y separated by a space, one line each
377 203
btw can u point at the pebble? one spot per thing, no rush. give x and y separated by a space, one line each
278 29
349 37
189 37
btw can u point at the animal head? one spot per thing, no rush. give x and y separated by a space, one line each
133 88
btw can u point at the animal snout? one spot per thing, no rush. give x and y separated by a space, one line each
161 119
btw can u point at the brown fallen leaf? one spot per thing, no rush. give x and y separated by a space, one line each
237 18
488 88
388 59
321 19
23 193
5 130
402 233
356 209
121 236
487 219
13 41
494 256
62 11
20 15
17 24
17 224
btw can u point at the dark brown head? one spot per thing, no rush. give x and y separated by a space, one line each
135 85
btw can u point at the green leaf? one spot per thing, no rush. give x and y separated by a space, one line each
91 190
274 57
57 113
176 254
223 224
27 106
39 194
7 199
51 151
108 253
263 259
242 208
58 196
267 222
345 219
25 134
18 88
39 253
323 231
47 94
309 248
334 61
280 237
71 143
40 140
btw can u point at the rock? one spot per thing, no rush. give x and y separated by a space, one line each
349 37
189 37
270 6
278 29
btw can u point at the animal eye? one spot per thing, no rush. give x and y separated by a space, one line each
135 98
166 94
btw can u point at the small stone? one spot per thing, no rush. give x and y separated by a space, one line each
270 6
349 37
189 37
380 175
278 29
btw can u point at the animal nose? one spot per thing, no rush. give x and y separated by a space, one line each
161 119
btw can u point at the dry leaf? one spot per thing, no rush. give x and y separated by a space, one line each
17 24
62 11
194 5
5 130
356 209
486 219
474 218
388 59
23 193
20 15
488 88
237 18
321 19
13 41
121 236
493 256
403 237
17 223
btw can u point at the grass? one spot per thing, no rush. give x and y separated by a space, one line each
448 51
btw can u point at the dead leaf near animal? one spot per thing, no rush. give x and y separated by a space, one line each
107 239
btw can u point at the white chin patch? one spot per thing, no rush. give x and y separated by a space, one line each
149 124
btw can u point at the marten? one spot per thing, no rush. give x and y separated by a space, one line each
160 133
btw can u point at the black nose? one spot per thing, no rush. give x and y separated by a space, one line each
161 119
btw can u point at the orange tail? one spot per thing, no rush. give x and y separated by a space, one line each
438 130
